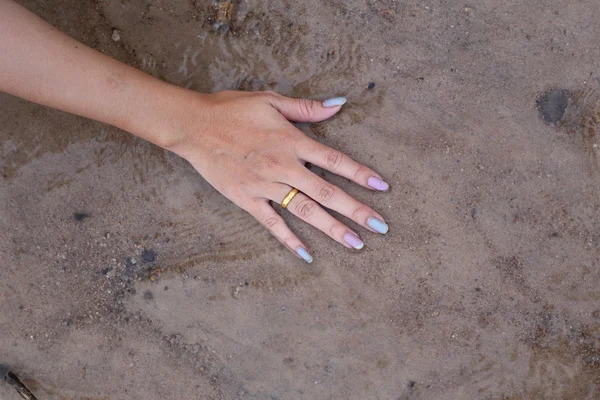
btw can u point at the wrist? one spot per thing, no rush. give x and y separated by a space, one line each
165 117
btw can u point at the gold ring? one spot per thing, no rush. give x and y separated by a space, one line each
289 197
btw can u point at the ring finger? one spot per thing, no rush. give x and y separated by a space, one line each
312 213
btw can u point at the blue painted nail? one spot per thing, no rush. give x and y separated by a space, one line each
377 225
334 102
304 254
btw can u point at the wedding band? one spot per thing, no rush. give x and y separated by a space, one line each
289 197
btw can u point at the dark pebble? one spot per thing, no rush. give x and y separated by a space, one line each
552 105
106 270
80 216
411 384
148 296
371 85
148 255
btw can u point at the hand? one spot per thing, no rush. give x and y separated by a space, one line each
243 145
240 142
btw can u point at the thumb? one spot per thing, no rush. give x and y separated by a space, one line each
304 110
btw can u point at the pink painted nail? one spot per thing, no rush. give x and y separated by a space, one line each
378 184
353 241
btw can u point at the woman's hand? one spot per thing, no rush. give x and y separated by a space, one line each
240 142
243 144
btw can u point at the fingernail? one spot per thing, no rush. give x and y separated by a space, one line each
334 102
353 241
377 225
377 184
304 254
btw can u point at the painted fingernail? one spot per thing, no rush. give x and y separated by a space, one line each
334 102
353 241
377 184
304 254
377 225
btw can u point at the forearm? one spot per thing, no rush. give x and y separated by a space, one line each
43 65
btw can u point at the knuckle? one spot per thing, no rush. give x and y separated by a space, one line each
326 193
288 240
248 187
297 142
307 107
358 211
239 196
305 208
360 173
270 223
333 159
334 229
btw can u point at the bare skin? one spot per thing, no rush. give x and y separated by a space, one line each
242 143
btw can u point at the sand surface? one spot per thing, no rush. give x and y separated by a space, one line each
484 118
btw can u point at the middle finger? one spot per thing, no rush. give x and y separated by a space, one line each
336 199
310 212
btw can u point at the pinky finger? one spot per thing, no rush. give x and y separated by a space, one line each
267 217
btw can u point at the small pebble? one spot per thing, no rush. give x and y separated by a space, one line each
148 255
371 85
80 216
116 36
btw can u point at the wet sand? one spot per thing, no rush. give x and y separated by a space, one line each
126 276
